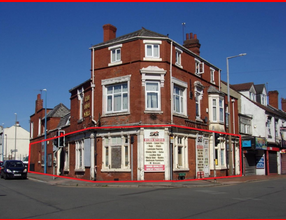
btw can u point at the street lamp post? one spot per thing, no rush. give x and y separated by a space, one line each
45 156
15 136
229 124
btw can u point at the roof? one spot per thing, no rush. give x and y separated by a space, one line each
64 120
212 89
259 88
58 111
242 86
143 32
80 85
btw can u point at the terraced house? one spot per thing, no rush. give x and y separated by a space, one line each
119 124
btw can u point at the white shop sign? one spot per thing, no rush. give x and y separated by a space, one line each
154 142
202 157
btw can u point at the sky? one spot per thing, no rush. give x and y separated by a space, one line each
46 45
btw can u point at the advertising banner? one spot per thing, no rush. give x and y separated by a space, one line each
154 142
260 143
202 158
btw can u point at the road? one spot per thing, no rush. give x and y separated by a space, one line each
32 199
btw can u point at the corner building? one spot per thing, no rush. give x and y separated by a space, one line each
140 84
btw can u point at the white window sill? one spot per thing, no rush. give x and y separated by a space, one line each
79 170
179 65
199 119
115 114
180 115
152 59
181 169
220 167
153 112
115 170
115 63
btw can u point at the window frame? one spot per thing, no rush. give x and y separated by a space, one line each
112 82
212 75
199 91
158 93
79 155
199 67
183 86
220 151
116 61
152 43
80 97
108 145
178 57
184 147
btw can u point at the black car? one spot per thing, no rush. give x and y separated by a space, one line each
13 169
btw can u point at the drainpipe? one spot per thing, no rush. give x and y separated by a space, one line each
92 88
219 79
171 90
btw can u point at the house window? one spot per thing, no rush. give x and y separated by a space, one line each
221 110
39 126
199 67
116 153
115 93
117 98
179 57
220 155
178 99
212 72
214 110
180 149
152 50
152 95
32 129
198 97
276 128
80 96
269 126
66 165
79 160
115 55
245 125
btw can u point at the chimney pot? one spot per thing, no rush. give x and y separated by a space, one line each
283 104
195 36
109 32
187 36
191 35
273 98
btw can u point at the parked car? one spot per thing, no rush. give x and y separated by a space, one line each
1 163
13 169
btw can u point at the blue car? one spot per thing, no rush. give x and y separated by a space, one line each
13 169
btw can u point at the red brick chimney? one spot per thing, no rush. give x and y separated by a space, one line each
192 43
39 103
109 32
273 98
283 104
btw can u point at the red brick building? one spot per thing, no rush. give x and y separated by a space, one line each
119 125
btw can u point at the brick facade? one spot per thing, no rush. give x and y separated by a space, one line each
89 116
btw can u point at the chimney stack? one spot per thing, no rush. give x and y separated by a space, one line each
192 43
39 103
273 98
109 32
283 104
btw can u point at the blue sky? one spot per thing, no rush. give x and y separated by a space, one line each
46 45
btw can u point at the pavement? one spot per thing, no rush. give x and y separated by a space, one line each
219 181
